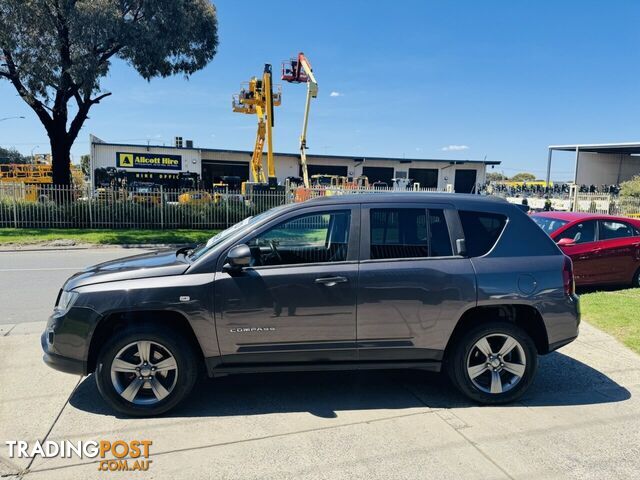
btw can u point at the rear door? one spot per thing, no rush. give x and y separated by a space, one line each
411 284
619 246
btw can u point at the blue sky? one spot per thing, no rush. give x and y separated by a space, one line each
428 79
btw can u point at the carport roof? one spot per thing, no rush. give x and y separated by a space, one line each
626 148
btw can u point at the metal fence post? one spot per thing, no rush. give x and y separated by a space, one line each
161 208
90 202
226 206
15 207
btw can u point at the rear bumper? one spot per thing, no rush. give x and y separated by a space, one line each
563 322
561 343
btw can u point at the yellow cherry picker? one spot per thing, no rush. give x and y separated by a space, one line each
259 98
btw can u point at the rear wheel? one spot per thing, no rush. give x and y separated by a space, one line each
636 279
144 370
493 363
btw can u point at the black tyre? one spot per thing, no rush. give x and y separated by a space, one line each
146 370
493 363
635 283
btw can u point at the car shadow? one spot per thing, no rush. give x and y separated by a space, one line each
602 288
561 380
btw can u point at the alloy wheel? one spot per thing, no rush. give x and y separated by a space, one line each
496 363
144 372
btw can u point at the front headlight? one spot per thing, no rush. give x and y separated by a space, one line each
65 301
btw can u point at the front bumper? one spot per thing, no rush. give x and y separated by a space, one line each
67 338
60 363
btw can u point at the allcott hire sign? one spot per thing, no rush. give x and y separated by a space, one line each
148 161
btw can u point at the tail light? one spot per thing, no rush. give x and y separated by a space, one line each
568 282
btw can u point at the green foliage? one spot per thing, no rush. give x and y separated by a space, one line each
631 188
85 165
26 236
56 51
523 177
495 177
11 155
124 214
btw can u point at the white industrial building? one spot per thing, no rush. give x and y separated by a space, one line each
211 164
601 164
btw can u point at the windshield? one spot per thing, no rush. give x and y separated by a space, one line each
224 234
548 224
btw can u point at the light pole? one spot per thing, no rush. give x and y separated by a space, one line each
33 160
10 118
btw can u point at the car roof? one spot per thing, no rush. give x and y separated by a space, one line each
575 216
392 197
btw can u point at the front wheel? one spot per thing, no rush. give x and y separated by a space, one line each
144 370
493 363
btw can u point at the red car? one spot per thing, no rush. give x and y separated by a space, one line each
604 249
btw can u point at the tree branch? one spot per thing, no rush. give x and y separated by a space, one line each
35 104
99 97
83 112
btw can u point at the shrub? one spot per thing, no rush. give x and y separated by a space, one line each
631 188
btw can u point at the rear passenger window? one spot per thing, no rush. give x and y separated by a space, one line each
439 240
481 231
610 230
408 232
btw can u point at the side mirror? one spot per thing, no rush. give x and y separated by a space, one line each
238 258
566 242
461 247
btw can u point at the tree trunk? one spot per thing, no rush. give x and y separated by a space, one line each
61 157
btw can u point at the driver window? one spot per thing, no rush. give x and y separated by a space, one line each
313 238
583 232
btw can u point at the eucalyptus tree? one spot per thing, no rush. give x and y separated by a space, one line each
55 53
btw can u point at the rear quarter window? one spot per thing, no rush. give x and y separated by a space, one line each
481 230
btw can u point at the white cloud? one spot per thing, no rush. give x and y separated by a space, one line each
336 94
454 148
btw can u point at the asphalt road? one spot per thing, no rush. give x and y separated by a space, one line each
30 280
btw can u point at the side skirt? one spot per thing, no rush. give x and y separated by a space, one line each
215 367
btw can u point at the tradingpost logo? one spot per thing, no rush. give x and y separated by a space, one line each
114 456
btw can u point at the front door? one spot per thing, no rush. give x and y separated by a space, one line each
583 251
297 300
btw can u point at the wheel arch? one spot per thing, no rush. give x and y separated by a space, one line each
111 322
525 316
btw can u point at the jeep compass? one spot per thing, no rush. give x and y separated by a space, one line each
465 284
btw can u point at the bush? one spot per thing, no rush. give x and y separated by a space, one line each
631 188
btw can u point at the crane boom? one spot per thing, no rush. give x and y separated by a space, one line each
259 98
299 71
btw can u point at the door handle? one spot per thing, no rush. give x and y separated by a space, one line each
331 281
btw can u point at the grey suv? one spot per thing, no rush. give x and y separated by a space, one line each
463 283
